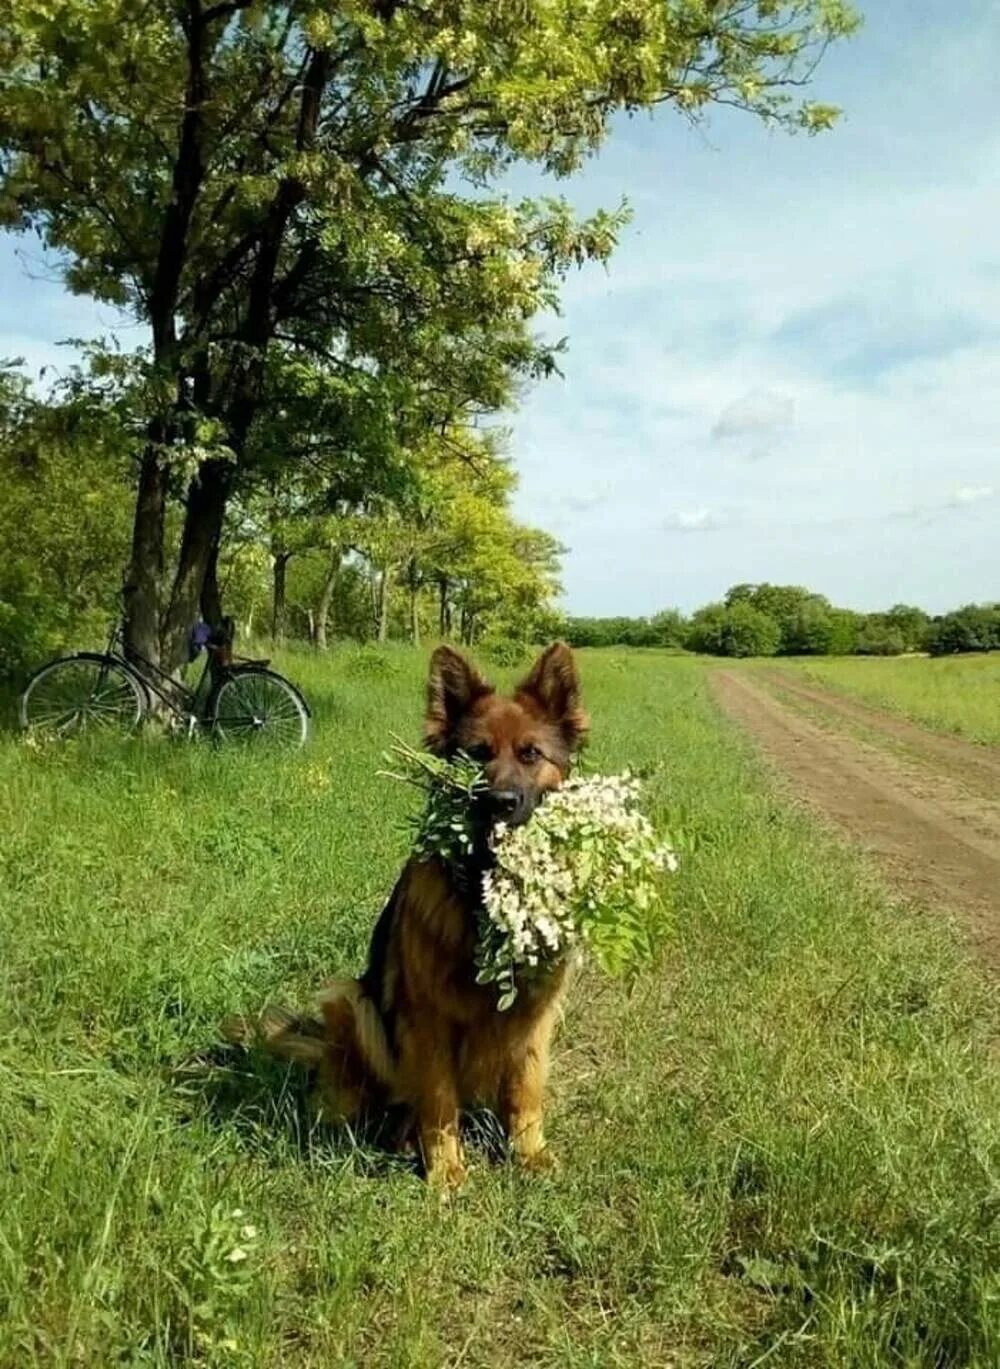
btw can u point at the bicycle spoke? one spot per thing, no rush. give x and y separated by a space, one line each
259 708
78 694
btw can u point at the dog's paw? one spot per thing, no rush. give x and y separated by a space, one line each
544 1161
448 1176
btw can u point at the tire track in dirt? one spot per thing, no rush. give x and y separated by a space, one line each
972 765
938 843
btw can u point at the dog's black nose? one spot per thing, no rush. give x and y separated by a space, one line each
503 803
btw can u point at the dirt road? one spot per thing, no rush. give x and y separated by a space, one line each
926 806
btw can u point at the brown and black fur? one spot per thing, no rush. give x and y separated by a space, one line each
416 1029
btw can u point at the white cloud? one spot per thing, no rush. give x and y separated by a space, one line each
692 520
971 494
583 501
759 412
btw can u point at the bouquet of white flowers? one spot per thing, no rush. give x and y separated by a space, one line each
584 875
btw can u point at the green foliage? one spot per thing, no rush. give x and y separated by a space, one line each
845 625
808 625
798 622
665 629
65 495
976 627
876 639
902 628
449 787
807 631
802 617
911 623
736 629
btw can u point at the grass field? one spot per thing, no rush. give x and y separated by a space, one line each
779 1149
952 693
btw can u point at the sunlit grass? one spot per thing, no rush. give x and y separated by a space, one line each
783 1140
952 693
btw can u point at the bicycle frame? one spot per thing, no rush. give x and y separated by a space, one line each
160 682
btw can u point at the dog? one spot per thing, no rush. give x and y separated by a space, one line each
416 1030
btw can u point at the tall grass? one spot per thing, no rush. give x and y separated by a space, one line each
779 1148
952 693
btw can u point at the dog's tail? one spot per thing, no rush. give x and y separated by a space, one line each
280 1032
350 1015
351 1028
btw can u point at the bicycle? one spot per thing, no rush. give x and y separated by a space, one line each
235 699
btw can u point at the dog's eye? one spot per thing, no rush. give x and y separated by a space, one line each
530 754
480 752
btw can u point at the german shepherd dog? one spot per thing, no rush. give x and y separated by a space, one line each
416 1029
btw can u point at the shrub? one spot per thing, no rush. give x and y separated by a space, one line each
740 630
976 627
874 640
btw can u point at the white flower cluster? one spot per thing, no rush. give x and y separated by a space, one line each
582 873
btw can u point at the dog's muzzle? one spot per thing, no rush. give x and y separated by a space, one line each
510 806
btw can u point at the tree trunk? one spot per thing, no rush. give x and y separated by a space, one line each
325 601
373 587
142 601
206 508
414 582
143 612
444 616
211 593
278 606
383 605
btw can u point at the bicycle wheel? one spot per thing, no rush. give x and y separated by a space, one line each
257 706
83 693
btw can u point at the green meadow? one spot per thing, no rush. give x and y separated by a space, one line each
780 1147
950 693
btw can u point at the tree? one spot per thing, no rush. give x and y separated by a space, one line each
64 510
845 626
746 631
876 639
669 627
809 630
243 176
495 576
803 617
976 627
736 629
910 623
665 629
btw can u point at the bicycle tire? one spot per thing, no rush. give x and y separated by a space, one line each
253 706
116 699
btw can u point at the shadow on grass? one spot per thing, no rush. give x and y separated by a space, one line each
266 1106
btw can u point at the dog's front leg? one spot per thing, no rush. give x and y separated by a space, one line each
434 1088
522 1103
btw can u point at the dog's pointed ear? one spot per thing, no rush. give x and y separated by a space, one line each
554 686
452 688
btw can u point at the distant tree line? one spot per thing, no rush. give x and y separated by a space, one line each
787 620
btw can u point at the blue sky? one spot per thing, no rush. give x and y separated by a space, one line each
791 369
